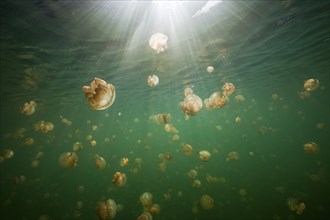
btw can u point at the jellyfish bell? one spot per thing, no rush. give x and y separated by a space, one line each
144 216
146 199
29 108
204 155
100 94
158 42
188 91
102 211
153 80
191 104
228 88
311 85
119 179
111 208
100 162
217 100
210 69
206 202
68 159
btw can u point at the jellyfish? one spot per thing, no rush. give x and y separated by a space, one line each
119 179
232 156
187 149
154 209
197 184
217 100
100 94
188 91
68 160
29 108
44 126
206 202
7 153
107 210
192 173
228 88
210 69
153 80
158 42
124 162
77 146
311 147
311 85
100 162
204 155
239 98
191 104
145 216
146 199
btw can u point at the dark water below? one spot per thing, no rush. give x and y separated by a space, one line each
51 48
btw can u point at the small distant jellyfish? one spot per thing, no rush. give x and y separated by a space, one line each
77 146
158 42
192 173
153 80
239 98
188 91
100 94
124 162
119 179
204 155
187 149
197 184
145 216
68 160
311 147
29 108
228 88
146 199
100 162
191 104
232 156
311 85
206 202
210 69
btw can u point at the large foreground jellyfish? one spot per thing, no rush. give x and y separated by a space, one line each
100 94
158 42
29 108
107 210
191 104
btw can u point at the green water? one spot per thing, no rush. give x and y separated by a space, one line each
51 48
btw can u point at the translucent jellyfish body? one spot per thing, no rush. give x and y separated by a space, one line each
107 210
68 160
206 202
191 104
204 155
146 199
100 94
153 80
29 108
158 42
311 85
228 88
119 179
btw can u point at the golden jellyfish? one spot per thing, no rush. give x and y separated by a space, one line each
210 69
35 163
154 209
311 147
197 184
68 160
239 98
29 108
311 85
207 104
18 180
153 80
92 143
204 155
162 118
29 141
158 42
238 120
187 149
206 202
100 162
44 126
100 94
107 210
124 162
191 104
188 91
146 199
275 96
7 153
232 156
296 206
77 146
228 88
138 162
217 100
145 216
119 179
175 137
192 173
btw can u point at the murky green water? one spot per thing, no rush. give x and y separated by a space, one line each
51 48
